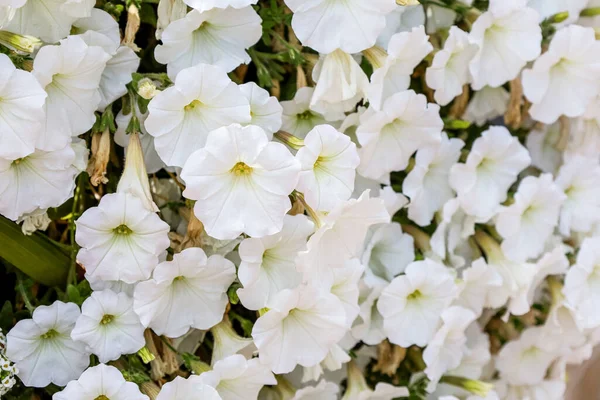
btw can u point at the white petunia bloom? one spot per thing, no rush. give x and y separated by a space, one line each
405 51
542 142
100 382
265 110
584 133
487 104
227 342
49 20
205 5
328 160
241 182
218 37
581 285
359 390
301 326
181 117
449 71
368 326
427 184
42 348
99 29
476 354
340 238
528 223
186 389
345 287
475 283
357 23
447 347
402 19
70 73
548 389
412 303
120 239
548 8
40 180
236 378
340 85
108 326
525 361
323 391
563 81
117 74
21 110
298 118
579 179
389 137
481 183
268 264
508 35
188 292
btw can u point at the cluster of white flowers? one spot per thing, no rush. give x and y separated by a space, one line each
392 210
7 368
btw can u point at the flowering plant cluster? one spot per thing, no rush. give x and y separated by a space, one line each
319 199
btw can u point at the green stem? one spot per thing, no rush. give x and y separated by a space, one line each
23 292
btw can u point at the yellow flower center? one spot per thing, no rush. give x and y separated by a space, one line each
102 397
122 230
107 319
241 169
194 104
415 295
50 334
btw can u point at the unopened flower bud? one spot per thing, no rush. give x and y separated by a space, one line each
20 43
146 355
132 27
476 387
408 2
147 89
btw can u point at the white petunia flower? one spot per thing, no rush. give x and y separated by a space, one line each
70 73
529 222
204 5
328 160
581 285
548 389
42 348
298 118
323 391
508 35
100 382
402 19
49 20
427 184
405 51
412 303
563 81
525 361
120 239
368 327
345 287
21 110
167 12
219 37
449 71
475 284
236 378
481 183
339 238
181 117
108 326
186 389
487 104
188 292
227 342
301 326
476 354
541 143
579 179
584 133
548 8
117 74
265 110
389 137
99 29
357 23
268 264
359 390
241 182
40 180
340 85
447 347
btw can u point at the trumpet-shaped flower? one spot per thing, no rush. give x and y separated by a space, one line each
101 382
487 104
241 182
494 162
265 110
42 348
323 391
268 264
475 283
219 37
541 143
236 378
181 117
389 137
411 305
563 80
108 326
301 326
358 23
186 389
188 292
227 342
120 239
298 118
70 73
328 160
21 110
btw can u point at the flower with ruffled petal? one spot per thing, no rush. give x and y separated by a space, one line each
120 239
475 282
42 348
181 117
186 389
487 104
265 110
188 292
542 143
219 37
241 182
298 118
322 391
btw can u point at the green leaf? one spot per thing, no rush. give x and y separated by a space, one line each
34 255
